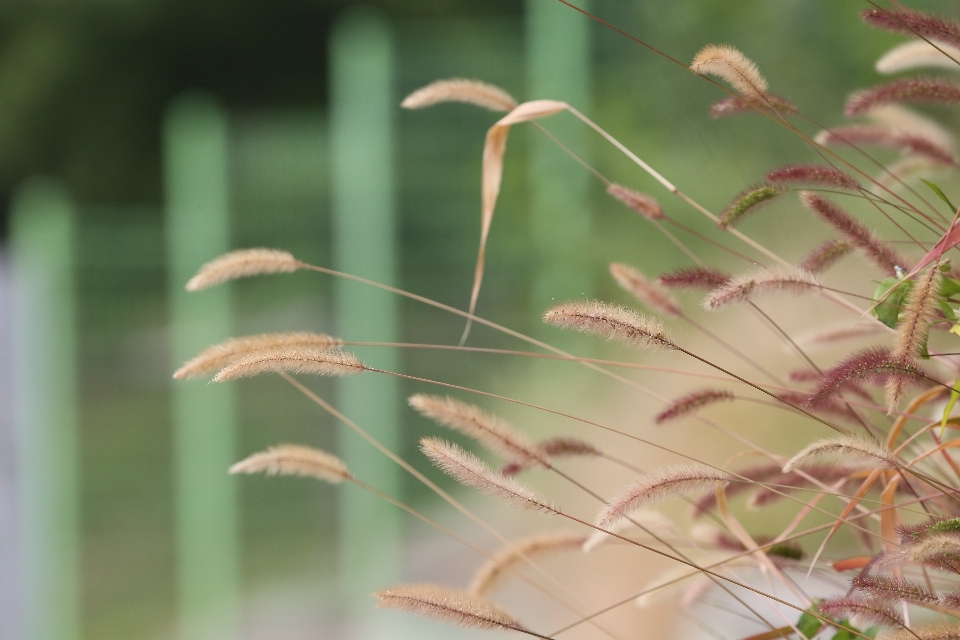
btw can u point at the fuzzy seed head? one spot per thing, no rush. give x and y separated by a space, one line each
500 565
611 322
874 610
242 264
763 281
689 480
489 430
729 64
921 90
875 365
692 402
694 278
473 92
446 605
736 105
471 471
825 256
293 459
920 311
853 231
646 519
914 23
646 206
913 143
293 359
648 293
812 174
747 201
853 451
216 357
894 588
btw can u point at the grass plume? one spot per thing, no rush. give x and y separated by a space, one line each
293 459
611 322
475 92
242 263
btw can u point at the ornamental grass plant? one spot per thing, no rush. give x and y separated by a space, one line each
871 546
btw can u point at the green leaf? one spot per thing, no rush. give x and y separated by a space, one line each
949 287
954 396
941 194
888 311
808 624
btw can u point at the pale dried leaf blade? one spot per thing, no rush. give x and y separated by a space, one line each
242 263
533 110
481 94
447 605
292 459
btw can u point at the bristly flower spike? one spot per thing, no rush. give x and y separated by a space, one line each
215 357
854 231
744 287
490 574
825 256
692 402
923 90
731 65
446 605
851 450
473 92
689 481
646 292
694 278
812 174
736 105
293 359
875 364
646 206
873 609
914 23
894 588
748 201
242 263
293 459
611 322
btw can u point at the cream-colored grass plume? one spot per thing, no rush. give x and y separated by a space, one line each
919 54
903 120
743 287
611 322
687 480
216 357
853 451
242 264
489 430
481 94
920 311
293 359
295 460
930 549
654 521
646 291
472 471
446 605
839 333
730 64
494 570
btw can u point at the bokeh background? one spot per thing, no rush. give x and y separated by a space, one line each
139 139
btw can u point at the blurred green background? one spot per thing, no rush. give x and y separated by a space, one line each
90 92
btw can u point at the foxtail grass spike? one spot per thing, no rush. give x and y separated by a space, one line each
920 90
872 609
909 22
648 293
471 471
728 63
850 450
748 201
687 481
825 256
216 357
647 206
242 264
897 589
611 322
737 105
473 92
490 575
292 359
694 278
875 365
446 605
489 430
293 459
813 175
691 403
764 281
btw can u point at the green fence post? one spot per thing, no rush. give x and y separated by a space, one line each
43 232
204 421
558 67
361 161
